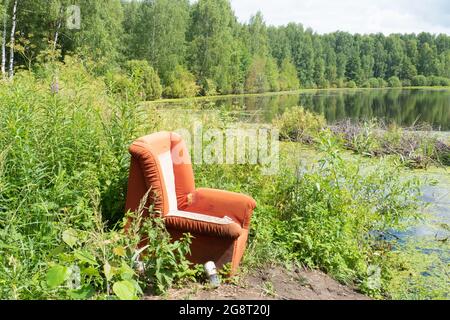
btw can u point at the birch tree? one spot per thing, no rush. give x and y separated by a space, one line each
160 34
13 40
212 43
5 17
58 28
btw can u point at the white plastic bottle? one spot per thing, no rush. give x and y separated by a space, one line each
211 271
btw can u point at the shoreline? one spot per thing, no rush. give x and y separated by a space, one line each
280 93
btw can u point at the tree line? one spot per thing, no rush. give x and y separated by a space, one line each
173 48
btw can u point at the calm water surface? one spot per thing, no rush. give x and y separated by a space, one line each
404 107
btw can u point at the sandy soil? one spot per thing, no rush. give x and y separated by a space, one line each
270 283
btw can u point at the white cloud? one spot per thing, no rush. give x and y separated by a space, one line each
356 16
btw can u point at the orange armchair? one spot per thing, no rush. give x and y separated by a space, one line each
218 220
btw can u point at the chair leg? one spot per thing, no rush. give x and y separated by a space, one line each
238 251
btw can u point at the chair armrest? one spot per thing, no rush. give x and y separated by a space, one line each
220 203
196 223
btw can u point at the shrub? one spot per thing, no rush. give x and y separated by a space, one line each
324 84
444 81
433 81
406 83
340 83
373 83
63 160
419 81
145 78
140 81
298 124
120 84
181 84
114 264
351 84
357 137
209 88
394 82
436 81
334 214
382 83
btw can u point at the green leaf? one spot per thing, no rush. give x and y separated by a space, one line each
56 276
125 290
90 271
86 257
119 251
85 292
108 270
126 272
70 237
58 250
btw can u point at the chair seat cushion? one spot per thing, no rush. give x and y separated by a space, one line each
202 224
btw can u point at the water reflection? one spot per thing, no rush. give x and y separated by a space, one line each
401 106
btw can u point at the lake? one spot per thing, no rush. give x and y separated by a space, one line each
404 107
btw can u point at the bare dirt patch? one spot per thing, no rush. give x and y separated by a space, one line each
270 283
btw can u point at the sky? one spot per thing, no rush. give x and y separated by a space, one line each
355 16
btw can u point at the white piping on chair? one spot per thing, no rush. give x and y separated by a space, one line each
200 217
165 160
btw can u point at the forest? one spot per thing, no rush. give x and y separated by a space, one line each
181 49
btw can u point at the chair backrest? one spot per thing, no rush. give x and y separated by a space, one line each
160 162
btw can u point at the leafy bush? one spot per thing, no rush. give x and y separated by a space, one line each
115 264
209 88
64 159
444 81
419 81
334 215
181 84
382 83
340 83
298 124
373 83
120 84
394 82
324 84
140 81
406 83
145 78
351 84
436 81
